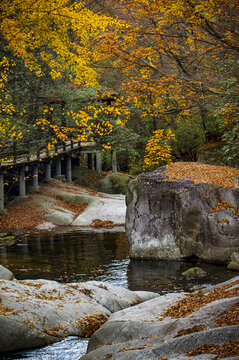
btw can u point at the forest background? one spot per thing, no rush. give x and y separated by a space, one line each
154 80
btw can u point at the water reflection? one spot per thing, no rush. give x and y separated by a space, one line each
83 256
68 257
166 276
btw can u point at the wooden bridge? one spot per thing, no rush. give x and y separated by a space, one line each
50 164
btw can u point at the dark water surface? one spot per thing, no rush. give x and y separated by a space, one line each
82 256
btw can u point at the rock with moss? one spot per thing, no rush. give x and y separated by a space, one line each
172 326
173 218
8 239
104 182
115 183
194 271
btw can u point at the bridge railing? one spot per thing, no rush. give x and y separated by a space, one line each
36 150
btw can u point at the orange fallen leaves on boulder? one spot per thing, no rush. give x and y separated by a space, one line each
222 176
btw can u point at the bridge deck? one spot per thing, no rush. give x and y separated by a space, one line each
44 154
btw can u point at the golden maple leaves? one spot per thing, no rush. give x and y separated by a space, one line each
158 148
55 35
164 50
45 25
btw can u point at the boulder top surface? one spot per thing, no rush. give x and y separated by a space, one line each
195 173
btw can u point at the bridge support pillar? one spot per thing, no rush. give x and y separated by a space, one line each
114 162
98 161
35 185
90 160
2 210
58 175
68 169
58 166
48 171
22 185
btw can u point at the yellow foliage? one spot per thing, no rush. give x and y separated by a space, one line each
59 34
158 149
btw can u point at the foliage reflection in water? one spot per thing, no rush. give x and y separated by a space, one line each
83 256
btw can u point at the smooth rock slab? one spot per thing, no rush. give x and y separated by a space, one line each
143 332
100 206
36 312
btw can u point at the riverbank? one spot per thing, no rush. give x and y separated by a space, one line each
64 204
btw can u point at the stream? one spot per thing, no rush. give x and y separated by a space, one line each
89 255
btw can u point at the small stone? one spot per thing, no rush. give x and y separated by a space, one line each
234 264
5 274
194 271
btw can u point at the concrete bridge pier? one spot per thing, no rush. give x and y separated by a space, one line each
35 185
58 175
58 166
22 185
68 169
91 160
84 157
48 171
98 161
2 210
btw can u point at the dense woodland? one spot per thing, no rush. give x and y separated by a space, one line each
156 80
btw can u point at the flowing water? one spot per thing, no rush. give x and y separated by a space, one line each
84 255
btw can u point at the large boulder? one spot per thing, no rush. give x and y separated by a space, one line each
172 326
173 218
37 312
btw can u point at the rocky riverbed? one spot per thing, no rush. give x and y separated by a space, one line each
123 324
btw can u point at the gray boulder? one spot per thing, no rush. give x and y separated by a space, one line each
144 331
234 263
174 219
36 312
5 274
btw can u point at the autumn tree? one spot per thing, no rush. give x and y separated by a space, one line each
47 77
170 54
